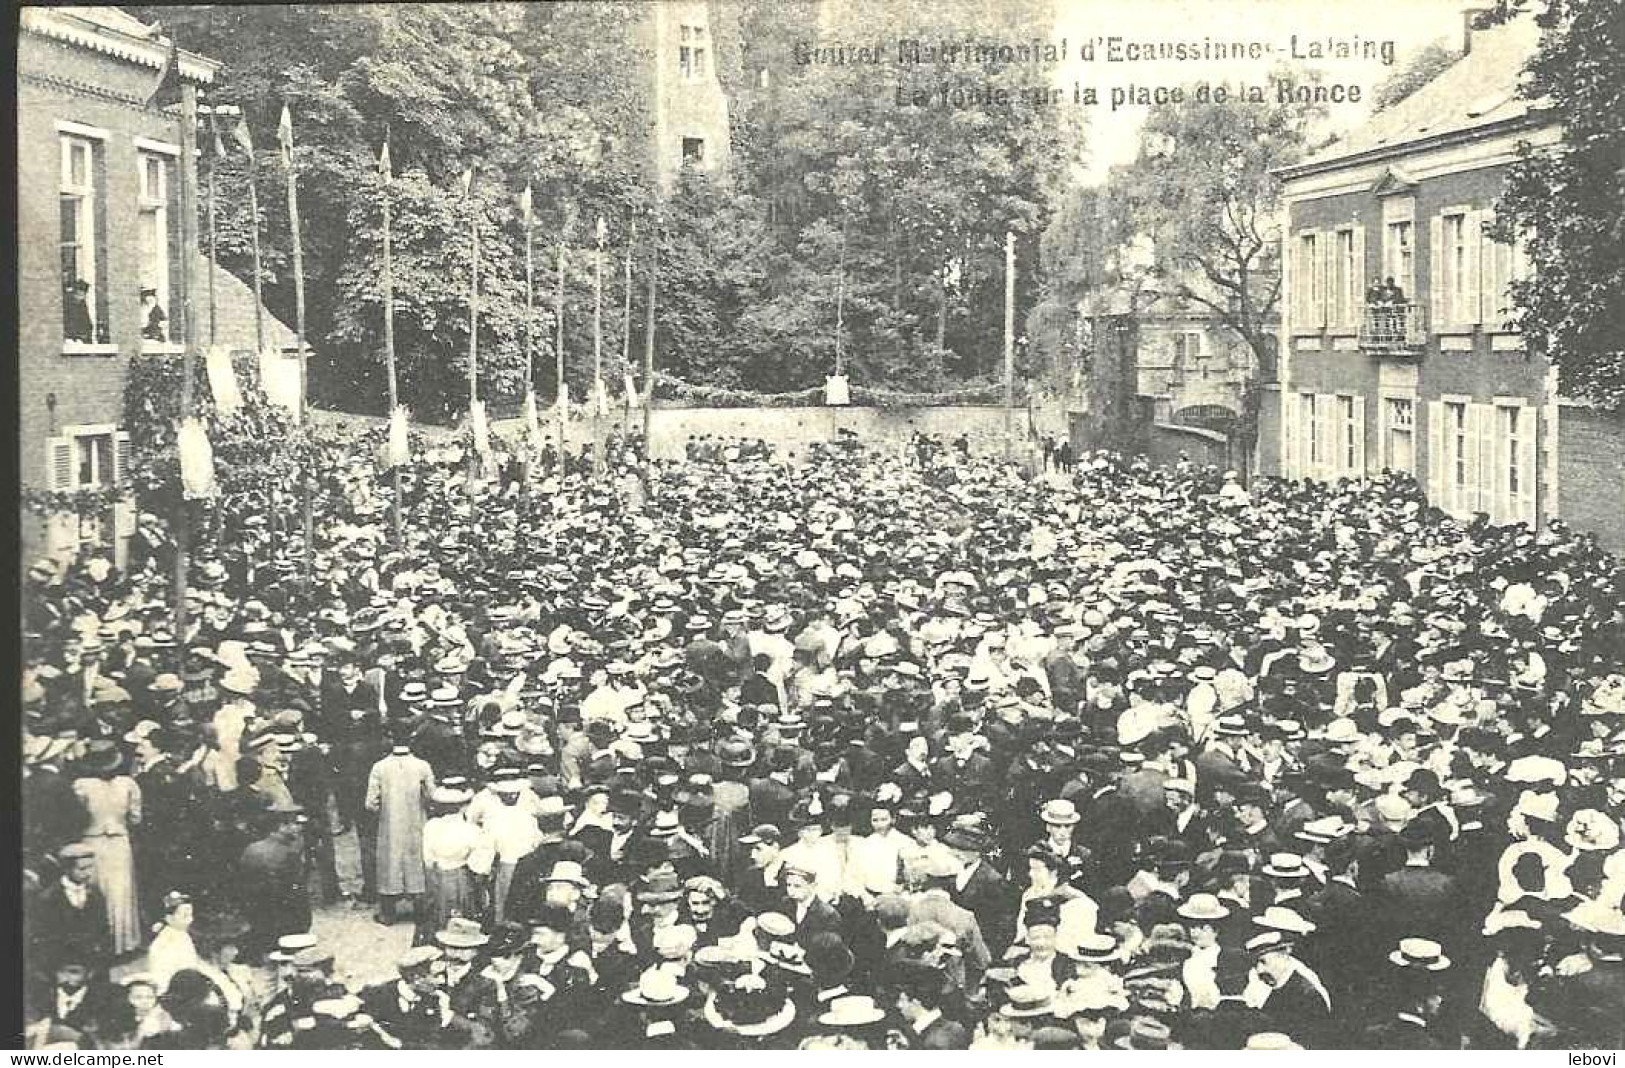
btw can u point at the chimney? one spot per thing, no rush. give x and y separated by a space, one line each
1468 15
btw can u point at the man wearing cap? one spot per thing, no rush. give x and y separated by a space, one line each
271 888
68 919
413 1008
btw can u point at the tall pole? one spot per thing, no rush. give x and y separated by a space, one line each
626 320
649 339
840 298
474 458
214 165
1009 338
308 477
530 304
254 234
597 343
389 336
188 176
558 343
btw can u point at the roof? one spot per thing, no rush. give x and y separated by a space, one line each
118 34
1479 90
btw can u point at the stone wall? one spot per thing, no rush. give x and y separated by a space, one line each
1591 473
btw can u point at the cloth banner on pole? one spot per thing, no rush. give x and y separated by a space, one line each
228 397
482 433
399 453
837 391
279 377
197 460
602 398
631 390
533 422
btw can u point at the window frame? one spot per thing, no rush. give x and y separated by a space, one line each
155 205
84 197
1399 257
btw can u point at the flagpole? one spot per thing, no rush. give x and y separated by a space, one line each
214 165
626 321
188 176
530 302
389 337
254 234
474 458
308 480
597 345
558 344
649 339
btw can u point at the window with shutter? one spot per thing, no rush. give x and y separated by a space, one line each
1384 459
1359 439
124 512
1438 463
1437 295
1474 244
1525 501
1481 471
1357 284
1289 435
1324 295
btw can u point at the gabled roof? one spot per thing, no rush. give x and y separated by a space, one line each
115 33
1479 90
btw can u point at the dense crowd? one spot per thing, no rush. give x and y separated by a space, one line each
839 754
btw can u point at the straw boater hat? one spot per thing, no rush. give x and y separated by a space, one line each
657 987
1421 954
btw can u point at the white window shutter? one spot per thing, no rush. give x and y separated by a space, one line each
124 514
1437 302
1497 482
1480 457
1438 462
1357 278
1359 438
1289 434
1323 247
1473 228
1326 433
61 529
1384 461
1524 504
1309 429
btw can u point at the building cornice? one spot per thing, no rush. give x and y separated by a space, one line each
1400 150
93 92
62 25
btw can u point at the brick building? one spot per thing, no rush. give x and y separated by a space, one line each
99 247
1396 350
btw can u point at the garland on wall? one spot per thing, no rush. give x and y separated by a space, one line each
87 504
698 396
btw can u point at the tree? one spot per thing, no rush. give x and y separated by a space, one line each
1423 65
1202 189
1567 203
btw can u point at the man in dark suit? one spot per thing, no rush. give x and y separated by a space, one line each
921 992
1419 900
811 914
68 920
772 797
412 1007
979 887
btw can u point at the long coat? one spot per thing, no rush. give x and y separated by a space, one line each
398 790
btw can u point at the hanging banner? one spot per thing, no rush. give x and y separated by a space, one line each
279 377
482 433
564 404
837 391
533 422
602 399
399 453
631 390
228 397
197 460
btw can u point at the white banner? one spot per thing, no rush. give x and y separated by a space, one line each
228 397
197 460
837 391
482 433
601 398
631 390
399 453
279 376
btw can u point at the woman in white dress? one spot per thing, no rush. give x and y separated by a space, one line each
112 803
455 851
172 947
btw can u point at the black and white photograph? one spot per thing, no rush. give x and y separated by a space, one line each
820 525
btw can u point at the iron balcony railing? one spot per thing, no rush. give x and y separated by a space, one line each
1393 329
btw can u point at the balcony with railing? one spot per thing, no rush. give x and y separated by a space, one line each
1393 329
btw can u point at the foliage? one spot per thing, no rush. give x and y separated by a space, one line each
691 395
1423 65
92 504
1567 203
255 447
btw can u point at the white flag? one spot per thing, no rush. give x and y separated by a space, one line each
482 434
631 390
533 422
399 454
602 398
228 397
197 460
836 390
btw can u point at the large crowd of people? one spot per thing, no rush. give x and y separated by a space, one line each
749 754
